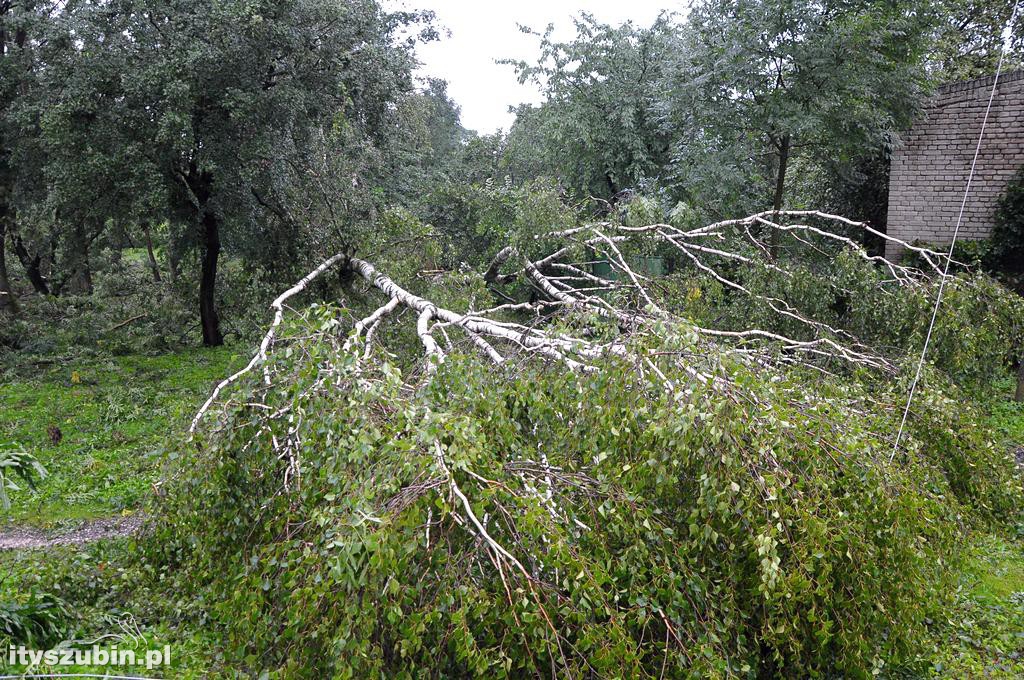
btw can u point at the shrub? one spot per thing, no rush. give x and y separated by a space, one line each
1007 254
978 333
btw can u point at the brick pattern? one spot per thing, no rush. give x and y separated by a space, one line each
929 171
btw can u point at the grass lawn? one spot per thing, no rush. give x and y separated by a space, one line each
113 415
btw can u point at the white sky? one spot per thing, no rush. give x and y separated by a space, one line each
485 30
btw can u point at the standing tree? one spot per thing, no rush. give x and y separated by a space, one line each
17 19
219 118
763 80
231 97
968 38
426 149
603 101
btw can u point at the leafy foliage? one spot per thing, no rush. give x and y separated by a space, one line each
698 533
256 128
38 622
17 463
1007 241
479 219
513 520
601 124
968 38
830 82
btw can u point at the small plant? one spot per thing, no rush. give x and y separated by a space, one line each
42 620
16 462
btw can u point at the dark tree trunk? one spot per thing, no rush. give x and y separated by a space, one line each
31 265
79 278
208 280
1019 396
84 280
174 255
200 188
153 265
611 184
8 301
780 188
81 282
173 262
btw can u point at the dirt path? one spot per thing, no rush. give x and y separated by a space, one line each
29 538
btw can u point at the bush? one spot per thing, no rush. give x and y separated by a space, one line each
475 221
1007 254
17 463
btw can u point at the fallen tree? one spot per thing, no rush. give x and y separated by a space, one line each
575 289
595 476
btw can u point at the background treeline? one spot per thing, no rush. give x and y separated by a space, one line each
247 138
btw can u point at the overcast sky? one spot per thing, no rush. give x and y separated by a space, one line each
482 31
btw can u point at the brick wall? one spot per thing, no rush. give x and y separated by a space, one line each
929 171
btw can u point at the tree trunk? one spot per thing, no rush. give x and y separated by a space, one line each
85 275
79 278
1019 396
780 188
8 301
173 256
31 265
208 280
611 184
153 265
200 188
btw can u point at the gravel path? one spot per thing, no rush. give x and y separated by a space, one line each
28 538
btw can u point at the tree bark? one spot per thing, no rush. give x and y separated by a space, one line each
85 275
210 226
780 188
611 184
153 265
199 185
173 259
31 265
79 276
1019 396
8 300
81 280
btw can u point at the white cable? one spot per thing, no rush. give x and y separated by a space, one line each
1007 37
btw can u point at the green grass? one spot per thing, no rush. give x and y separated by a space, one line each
982 634
996 571
114 415
1008 420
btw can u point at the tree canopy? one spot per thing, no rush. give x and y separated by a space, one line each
211 118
